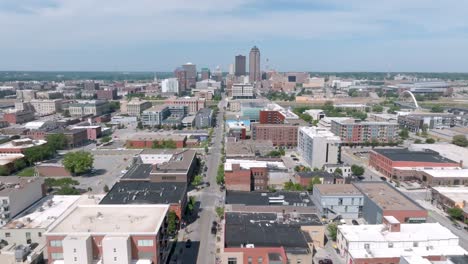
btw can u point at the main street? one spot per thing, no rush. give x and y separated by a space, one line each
203 249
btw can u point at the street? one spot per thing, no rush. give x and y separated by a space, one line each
203 249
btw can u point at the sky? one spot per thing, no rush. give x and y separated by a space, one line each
292 35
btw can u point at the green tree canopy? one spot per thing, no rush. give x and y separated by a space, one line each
332 230
57 141
404 134
456 213
357 170
312 182
460 140
78 162
437 109
377 108
430 141
171 222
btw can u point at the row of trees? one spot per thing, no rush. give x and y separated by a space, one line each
164 144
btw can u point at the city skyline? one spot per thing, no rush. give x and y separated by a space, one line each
326 36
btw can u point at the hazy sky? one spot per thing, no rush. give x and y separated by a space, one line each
305 35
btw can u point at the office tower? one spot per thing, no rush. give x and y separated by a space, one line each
240 65
170 85
217 74
231 69
205 73
181 76
254 65
191 74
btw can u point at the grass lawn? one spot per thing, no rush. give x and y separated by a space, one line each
27 172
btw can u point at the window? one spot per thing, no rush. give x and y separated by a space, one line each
75 259
56 243
260 260
145 243
7 234
415 244
28 235
115 258
390 245
299 261
74 250
340 201
366 246
249 260
39 234
56 256
115 250
232 260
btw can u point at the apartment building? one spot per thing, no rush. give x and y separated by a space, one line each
204 118
242 91
123 234
416 122
16 194
136 106
168 115
282 135
85 108
385 243
353 131
318 146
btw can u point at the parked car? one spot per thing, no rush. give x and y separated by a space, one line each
457 226
354 222
383 178
188 243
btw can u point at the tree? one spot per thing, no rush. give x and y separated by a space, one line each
206 150
417 141
67 190
332 230
4 171
338 171
312 182
106 188
220 175
430 141
57 141
437 109
455 213
197 180
357 170
191 204
19 164
290 186
66 113
424 130
106 139
377 108
78 162
220 212
114 106
460 140
404 134
171 222
139 125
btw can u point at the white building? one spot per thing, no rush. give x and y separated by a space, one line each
241 90
338 199
316 114
386 243
317 146
47 107
170 85
16 194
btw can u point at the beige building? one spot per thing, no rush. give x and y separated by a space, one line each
93 107
136 106
47 107
194 104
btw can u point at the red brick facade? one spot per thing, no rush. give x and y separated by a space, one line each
238 179
271 117
280 135
149 143
254 254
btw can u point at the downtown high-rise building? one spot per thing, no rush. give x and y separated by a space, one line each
240 65
254 65
191 74
181 75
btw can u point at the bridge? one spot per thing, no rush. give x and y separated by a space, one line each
407 100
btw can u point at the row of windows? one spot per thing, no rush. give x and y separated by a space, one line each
141 243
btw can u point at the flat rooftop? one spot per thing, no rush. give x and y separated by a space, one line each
247 164
43 213
268 198
147 136
387 197
9 184
138 192
22 143
455 193
408 233
447 173
262 230
396 154
449 151
337 189
111 219
138 172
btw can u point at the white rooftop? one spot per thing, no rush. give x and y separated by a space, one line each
43 213
247 164
319 132
447 173
6 158
455 193
22 143
111 219
34 125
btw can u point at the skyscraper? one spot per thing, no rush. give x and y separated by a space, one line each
254 65
240 65
181 76
191 74
205 73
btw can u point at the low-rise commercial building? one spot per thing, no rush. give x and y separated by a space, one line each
353 131
250 175
416 122
194 104
305 178
110 233
148 140
442 177
18 117
19 145
141 192
269 238
381 199
75 137
447 197
386 243
343 200
318 146
401 164
16 194
446 150
107 94
93 132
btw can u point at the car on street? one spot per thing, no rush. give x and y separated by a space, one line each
354 222
325 261
457 226
188 243
383 178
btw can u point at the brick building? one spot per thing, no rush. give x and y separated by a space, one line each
194 104
280 134
401 164
18 117
353 131
107 94
249 175
146 140
75 137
